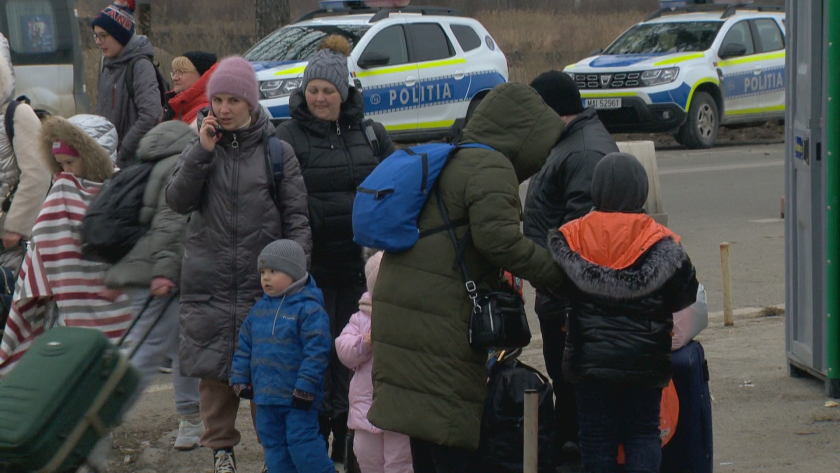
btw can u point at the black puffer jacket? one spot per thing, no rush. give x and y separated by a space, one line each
561 191
333 162
621 310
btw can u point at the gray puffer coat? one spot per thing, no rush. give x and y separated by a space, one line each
232 218
133 118
160 252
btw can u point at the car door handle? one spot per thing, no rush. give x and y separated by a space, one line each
410 81
757 70
459 74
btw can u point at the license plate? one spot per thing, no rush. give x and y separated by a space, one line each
603 104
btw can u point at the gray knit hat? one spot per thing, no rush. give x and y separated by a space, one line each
619 184
285 256
330 64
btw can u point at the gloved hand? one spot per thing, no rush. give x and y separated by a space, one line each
244 391
302 400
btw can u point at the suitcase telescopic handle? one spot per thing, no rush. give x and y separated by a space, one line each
137 319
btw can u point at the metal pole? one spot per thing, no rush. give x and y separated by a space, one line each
728 320
531 452
832 131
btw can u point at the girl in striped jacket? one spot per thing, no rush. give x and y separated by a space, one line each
54 275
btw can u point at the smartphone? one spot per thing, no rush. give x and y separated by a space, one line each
218 130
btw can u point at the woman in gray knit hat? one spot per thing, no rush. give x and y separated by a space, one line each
328 132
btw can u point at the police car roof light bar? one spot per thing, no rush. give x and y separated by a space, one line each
337 7
750 6
728 9
386 12
379 13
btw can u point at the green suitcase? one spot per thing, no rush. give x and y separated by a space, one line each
70 390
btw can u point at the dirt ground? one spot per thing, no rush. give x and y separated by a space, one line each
764 420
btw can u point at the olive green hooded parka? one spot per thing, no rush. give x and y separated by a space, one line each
428 382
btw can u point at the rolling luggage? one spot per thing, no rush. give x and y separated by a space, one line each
68 391
690 449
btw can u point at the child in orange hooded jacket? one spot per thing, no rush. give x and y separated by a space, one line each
627 275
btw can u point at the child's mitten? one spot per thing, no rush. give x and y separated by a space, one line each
302 400
244 391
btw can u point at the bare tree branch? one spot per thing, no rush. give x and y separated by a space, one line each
270 15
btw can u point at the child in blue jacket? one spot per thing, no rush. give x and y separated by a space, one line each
284 349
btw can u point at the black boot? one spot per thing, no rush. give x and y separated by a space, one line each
351 465
324 429
339 430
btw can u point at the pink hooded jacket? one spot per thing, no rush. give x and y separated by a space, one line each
356 356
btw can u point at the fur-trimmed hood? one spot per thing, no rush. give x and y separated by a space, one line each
94 137
7 72
647 275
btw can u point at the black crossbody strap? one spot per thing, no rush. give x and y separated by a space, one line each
472 290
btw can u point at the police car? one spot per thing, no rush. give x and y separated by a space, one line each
422 70
688 70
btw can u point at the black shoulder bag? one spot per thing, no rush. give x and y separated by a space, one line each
497 319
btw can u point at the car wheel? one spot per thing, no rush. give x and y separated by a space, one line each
678 136
701 127
473 105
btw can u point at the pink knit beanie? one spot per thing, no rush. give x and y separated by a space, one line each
235 76
372 270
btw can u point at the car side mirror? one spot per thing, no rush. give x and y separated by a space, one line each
732 50
596 52
373 59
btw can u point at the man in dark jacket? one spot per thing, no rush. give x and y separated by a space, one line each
560 193
627 275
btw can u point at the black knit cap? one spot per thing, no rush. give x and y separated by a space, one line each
559 91
201 60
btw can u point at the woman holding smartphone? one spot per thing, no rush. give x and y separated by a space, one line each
223 182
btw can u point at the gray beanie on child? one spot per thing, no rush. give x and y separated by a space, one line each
285 256
619 184
330 66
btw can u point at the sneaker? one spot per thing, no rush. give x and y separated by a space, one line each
225 462
190 430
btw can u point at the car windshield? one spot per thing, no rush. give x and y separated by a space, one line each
299 43
655 38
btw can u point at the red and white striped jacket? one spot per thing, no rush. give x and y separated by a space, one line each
54 272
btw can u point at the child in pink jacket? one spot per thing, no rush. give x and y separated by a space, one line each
376 450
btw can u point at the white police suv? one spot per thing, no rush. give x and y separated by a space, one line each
421 70
688 70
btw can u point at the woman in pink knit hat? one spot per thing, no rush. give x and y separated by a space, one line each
225 181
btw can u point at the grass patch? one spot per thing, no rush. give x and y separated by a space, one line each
771 312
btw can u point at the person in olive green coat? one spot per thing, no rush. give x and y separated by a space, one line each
428 382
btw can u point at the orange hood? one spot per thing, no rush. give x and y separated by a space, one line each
614 240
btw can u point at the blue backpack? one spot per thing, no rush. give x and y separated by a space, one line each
389 201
